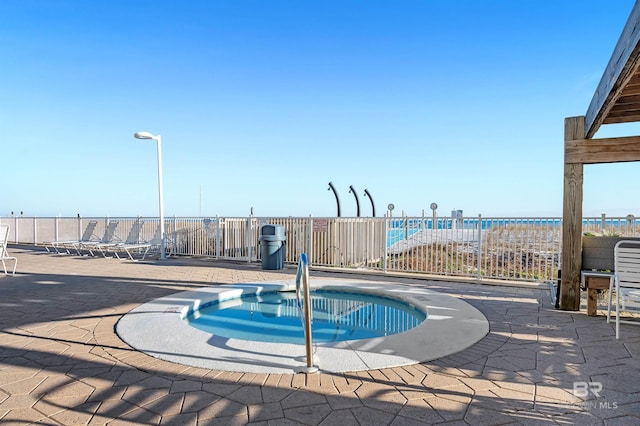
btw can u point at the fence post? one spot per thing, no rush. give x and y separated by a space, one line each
479 246
310 240
217 237
55 229
174 237
35 230
386 244
250 238
602 222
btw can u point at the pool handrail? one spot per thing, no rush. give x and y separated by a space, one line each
302 285
299 293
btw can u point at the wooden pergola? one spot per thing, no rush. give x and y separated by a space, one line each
616 100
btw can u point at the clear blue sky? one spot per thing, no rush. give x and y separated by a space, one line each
262 103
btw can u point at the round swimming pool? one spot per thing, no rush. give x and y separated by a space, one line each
337 316
158 327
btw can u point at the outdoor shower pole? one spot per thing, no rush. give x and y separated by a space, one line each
353 191
373 206
336 194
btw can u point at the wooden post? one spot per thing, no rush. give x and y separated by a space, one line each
574 128
594 284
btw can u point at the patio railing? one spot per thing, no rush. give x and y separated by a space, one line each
526 249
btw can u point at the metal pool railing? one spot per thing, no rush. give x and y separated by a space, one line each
526 249
303 297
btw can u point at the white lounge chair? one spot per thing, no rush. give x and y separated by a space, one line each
142 247
87 236
133 238
4 254
107 238
626 282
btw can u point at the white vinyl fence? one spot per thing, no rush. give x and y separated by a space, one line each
525 249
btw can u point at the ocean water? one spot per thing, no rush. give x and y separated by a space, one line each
399 229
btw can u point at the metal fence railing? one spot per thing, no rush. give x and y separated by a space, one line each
525 249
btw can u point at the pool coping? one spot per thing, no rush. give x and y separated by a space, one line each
157 329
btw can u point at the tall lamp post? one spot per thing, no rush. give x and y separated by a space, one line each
158 139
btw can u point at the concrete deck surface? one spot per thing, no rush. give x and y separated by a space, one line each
61 362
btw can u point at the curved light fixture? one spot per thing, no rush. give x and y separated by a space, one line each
144 135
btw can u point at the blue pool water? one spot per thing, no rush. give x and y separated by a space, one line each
337 316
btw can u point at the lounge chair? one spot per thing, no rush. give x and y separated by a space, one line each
107 238
4 254
626 282
132 247
132 238
87 236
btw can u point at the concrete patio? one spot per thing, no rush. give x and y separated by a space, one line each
61 362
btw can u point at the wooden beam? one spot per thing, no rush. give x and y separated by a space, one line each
572 221
631 90
627 119
621 68
606 150
628 99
